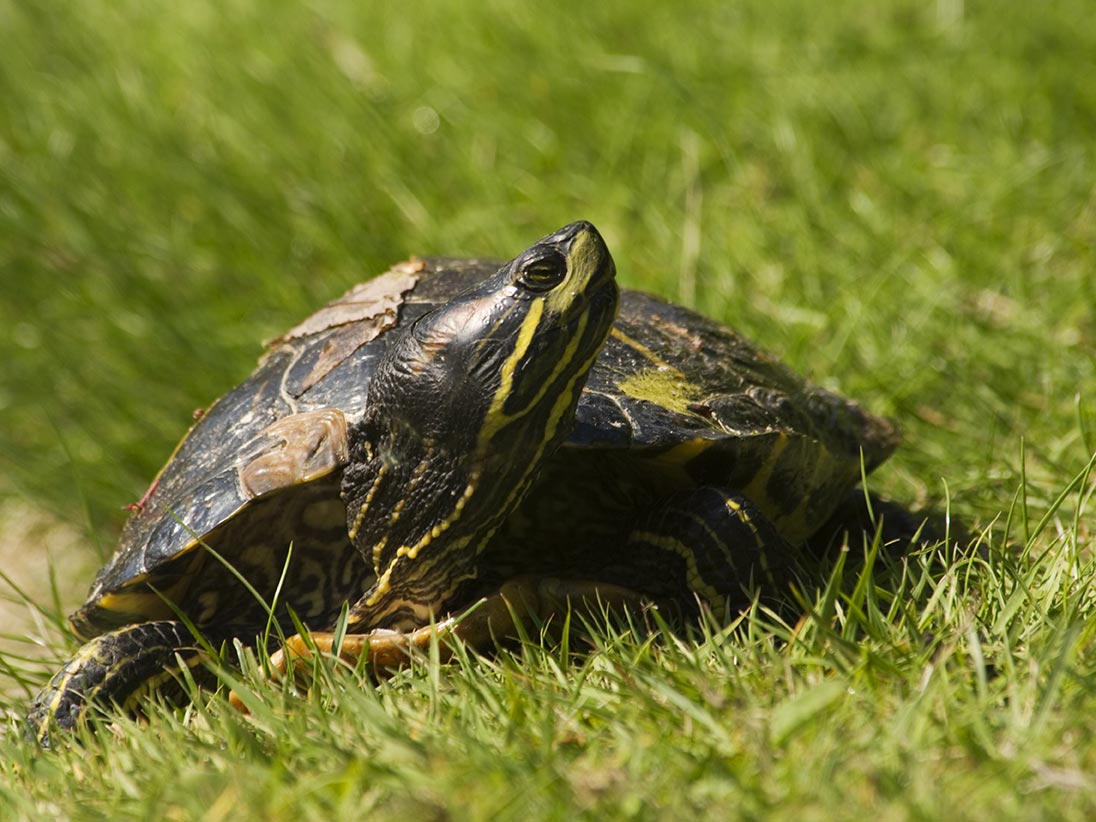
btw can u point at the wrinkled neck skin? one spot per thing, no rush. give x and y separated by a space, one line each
464 407
424 489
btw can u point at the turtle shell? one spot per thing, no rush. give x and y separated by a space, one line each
674 400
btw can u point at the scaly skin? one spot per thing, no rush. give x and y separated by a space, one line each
111 670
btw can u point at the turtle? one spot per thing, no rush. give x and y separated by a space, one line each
454 446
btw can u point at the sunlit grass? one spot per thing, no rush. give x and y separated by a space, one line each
897 198
946 681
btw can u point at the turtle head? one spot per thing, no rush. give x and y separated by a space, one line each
463 409
501 366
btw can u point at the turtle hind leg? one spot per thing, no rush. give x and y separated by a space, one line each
710 544
112 669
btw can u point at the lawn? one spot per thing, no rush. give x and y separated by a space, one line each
898 198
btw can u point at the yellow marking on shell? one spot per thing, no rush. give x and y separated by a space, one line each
663 384
665 387
757 488
353 530
672 465
146 604
685 451
796 525
640 348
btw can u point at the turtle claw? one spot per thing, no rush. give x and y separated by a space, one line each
517 610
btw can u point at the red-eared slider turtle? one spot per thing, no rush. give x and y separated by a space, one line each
452 430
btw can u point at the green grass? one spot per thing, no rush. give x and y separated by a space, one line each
897 197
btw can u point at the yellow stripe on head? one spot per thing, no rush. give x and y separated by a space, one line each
503 367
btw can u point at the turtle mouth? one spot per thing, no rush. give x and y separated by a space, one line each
600 295
591 312
597 315
605 298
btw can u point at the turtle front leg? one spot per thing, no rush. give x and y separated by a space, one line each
707 544
112 669
519 608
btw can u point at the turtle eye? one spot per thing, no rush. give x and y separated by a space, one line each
543 273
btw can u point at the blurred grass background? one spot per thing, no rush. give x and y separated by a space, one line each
897 197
